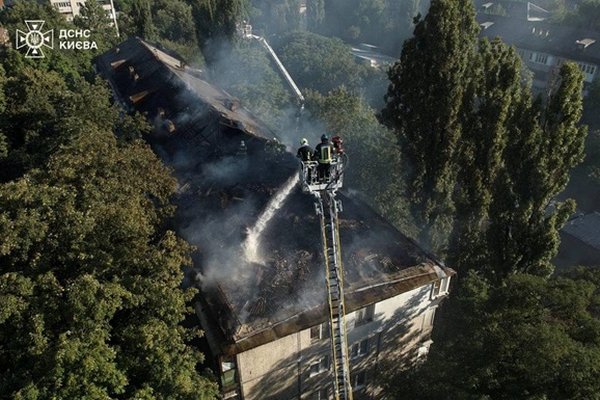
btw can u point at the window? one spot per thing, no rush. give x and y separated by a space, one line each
229 372
321 394
319 332
587 68
364 315
428 317
359 349
440 287
541 58
320 366
359 380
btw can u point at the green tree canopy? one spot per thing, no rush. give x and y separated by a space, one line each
374 156
90 279
424 105
320 63
531 338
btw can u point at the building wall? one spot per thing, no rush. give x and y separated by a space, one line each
298 365
72 8
544 65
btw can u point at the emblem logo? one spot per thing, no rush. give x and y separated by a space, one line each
35 39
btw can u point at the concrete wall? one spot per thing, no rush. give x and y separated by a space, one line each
282 369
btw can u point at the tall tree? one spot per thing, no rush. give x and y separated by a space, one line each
424 103
216 23
545 142
315 14
142 20
490 104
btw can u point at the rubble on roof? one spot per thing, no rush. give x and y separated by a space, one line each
222 193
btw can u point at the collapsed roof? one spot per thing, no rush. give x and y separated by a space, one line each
258 259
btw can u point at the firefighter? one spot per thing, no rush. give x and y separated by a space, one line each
242 150
304 152
338 145
323 154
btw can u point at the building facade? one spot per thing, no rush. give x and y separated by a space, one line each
72 8
545 47
298 366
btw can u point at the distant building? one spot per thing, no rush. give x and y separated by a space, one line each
580 241
266 323
544 47
72 8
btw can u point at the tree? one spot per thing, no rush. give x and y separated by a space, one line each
531 338
374 156
246 73
90 282
3 143
320 63
95 18
544 143
490 105
174 21
276 17
142 20
216 23
71 65
35 126
315 12
89 276
424 104
384 23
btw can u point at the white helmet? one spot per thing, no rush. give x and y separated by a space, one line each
304 141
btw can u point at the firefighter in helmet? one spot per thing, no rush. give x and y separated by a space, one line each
305 155
323 154
304 152
338 145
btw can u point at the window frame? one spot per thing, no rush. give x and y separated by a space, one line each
320 366
360 349
359 377
364 315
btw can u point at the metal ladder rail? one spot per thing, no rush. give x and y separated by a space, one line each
335 295
335 207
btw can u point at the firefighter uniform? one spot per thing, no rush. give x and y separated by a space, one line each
323 154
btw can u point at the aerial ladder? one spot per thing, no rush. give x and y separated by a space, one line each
327 208
245 30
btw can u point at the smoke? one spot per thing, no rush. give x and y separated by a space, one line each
249 246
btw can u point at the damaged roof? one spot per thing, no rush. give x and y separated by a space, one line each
254 294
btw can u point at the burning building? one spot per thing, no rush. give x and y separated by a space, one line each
258 264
